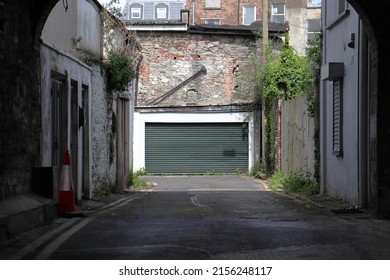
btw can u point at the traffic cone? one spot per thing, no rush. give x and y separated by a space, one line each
66 201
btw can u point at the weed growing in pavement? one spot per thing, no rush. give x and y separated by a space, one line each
100 192
136 182
141 172
210 173
257 168
296 182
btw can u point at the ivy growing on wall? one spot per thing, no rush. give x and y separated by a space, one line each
119 50
286 75
313 54
283 76
120 72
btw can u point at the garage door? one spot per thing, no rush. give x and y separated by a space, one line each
196 148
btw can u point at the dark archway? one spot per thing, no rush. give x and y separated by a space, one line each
21 24
373 16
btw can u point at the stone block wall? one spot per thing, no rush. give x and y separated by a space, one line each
102 131
171 58
19 100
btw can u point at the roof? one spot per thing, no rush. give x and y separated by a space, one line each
274 29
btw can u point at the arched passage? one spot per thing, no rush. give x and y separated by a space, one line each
372 14
21 23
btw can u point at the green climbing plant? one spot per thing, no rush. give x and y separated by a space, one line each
282 76
313 54
120 72
286 75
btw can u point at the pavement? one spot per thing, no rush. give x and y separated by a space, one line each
28 210
29 240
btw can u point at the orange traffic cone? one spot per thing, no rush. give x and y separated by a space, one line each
66 199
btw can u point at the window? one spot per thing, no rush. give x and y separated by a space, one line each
215 4
161 11
135 12
277 13
337 118
313 27
249 14
343 7
314 3
212 21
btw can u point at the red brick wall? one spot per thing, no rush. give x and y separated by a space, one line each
171 58
230 11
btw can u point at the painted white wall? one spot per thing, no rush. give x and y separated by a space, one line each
72 70
81 20
339 175
89 27
297 18
141 118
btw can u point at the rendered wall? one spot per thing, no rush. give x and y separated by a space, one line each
340 174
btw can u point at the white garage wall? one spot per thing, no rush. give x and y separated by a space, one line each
140 118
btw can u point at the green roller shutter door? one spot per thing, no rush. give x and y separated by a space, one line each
196 148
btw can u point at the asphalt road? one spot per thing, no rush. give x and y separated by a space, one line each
218 217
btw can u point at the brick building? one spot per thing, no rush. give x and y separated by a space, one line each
225 12
303 16
193 112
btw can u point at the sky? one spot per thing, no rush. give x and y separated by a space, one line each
121 4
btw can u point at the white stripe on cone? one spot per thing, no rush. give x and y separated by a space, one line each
66 183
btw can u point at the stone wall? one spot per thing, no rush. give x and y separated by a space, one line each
19 100
171 58
102 131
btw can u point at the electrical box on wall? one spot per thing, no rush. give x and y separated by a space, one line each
332 71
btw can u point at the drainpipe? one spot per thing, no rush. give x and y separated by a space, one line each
322 102
193 12
238 12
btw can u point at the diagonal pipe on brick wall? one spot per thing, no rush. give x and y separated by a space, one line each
202 70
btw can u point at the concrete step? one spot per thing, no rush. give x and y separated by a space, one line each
24 212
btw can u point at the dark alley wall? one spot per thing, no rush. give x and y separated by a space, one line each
19 98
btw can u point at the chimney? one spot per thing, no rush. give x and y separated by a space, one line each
185 16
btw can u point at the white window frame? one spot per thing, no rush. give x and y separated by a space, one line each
311 31
160 11
135 10
244 13
314 3
273 14
216 20
212 4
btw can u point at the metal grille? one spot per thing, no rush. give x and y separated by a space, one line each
337 118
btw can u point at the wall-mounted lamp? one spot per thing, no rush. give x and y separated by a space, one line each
351 44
